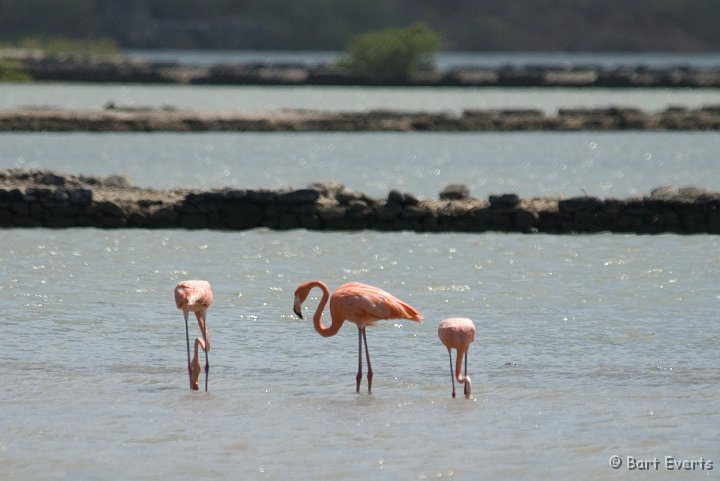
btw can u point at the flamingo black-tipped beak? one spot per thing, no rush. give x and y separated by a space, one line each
298 313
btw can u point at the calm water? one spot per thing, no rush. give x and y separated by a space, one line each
587 346
261 99
253 98
610 164
444 60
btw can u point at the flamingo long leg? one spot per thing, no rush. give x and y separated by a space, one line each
465 390
367 357
358 378
187 340
207 370
452 373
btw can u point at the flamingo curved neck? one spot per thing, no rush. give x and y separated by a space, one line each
317 318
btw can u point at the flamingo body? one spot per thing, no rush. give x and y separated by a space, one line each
458 333
195 296
365 305
358 303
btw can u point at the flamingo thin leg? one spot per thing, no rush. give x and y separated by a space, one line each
207 370
467 386
452 373
187 340
206 347
358 378
367 356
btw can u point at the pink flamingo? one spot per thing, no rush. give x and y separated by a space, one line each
359 303
195 296
457 333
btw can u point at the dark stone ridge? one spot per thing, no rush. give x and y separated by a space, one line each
33 198
80 68
114 119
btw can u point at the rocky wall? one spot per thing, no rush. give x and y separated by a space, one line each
78 68
118 119
47 199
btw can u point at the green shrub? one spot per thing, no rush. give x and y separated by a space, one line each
392 52
63 45
13 71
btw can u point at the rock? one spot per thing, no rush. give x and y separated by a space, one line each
504 201
332 213
580 204
345 196
299 196
455 192
327 189
401 198
122 181
81 196
49 178
665 192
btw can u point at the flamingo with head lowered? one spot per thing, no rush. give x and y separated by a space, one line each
359 303
195 296
457 333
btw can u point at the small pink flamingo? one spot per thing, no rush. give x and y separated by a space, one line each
359 303
457 333
195 296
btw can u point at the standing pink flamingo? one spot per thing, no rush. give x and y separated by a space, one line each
359 303
195 296
457 333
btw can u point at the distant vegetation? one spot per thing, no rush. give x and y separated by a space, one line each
12 71
393 51
59 45
464 25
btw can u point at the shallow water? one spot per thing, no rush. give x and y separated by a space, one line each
263 99
587 346
444 60
602 164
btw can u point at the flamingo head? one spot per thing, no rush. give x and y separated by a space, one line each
468 387
297 307
301 293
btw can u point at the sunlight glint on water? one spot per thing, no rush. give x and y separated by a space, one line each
586 346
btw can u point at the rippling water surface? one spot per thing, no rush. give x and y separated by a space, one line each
603 164
587 346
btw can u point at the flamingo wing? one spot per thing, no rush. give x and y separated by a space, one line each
366 304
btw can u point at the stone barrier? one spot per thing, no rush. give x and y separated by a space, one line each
32 198
138 119
79 68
